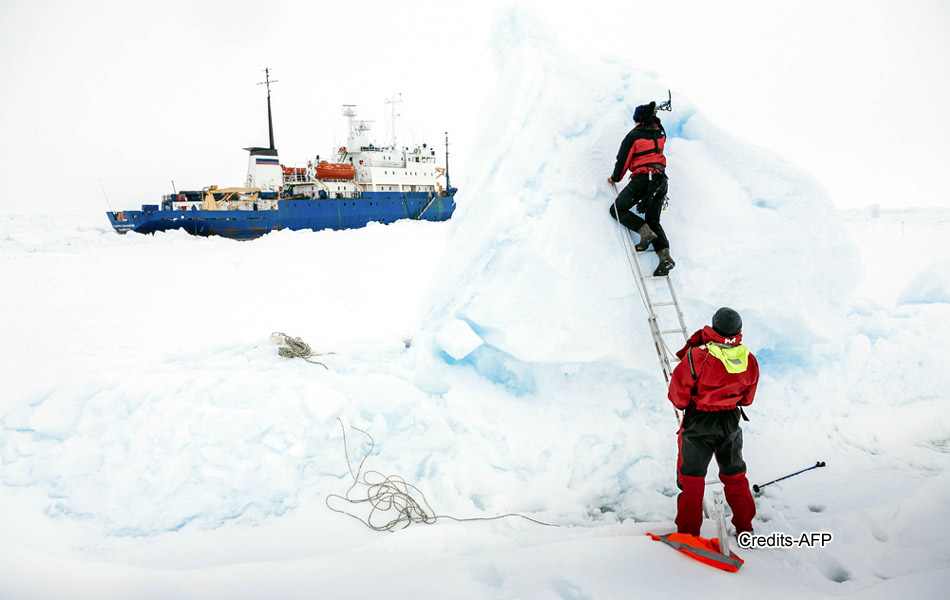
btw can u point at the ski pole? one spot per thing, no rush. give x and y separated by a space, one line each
756 488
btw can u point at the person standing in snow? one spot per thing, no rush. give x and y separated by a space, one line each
716 376
641 153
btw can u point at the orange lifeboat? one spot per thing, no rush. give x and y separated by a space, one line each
327 170
288 171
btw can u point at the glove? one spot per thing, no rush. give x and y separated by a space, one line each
649 116
642 206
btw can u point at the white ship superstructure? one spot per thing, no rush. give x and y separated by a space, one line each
361 166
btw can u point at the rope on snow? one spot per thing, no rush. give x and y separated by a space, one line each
294 348
385 494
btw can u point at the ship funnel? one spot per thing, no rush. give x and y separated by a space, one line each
263 170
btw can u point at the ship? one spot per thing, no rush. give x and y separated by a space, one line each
351 186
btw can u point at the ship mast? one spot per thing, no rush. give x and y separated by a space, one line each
448 184
270 123
393 101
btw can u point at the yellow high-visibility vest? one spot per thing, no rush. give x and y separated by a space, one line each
734 358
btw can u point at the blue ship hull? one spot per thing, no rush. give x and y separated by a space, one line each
291 213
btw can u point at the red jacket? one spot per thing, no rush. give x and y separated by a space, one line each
641 151
714 387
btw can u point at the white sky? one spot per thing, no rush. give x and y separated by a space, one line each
138 94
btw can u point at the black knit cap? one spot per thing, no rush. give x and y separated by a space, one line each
726 322
644 113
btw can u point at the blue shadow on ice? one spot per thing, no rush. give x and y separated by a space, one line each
498 367
782 358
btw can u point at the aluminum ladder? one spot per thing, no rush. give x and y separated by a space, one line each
666 355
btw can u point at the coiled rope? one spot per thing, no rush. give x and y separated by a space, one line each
393 494
294 348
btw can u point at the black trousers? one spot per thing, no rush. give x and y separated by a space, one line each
652 192
711 433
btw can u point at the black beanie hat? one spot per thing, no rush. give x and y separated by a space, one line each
644 113
726 322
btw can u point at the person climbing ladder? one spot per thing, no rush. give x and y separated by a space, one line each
641 153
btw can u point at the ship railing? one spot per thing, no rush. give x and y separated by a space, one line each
297 178
341 195
331 194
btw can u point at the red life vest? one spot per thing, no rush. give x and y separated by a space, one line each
646 153
703 550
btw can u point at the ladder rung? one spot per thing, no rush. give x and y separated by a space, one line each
664 304
656 276
672 331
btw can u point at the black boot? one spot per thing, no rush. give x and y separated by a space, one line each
666 263
646 238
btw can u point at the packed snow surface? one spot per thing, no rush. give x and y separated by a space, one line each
153 444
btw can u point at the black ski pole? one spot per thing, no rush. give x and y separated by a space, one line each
756 488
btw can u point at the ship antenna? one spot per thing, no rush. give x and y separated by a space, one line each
448 184
393 101
270 123
104 195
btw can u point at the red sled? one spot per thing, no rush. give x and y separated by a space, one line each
703 550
